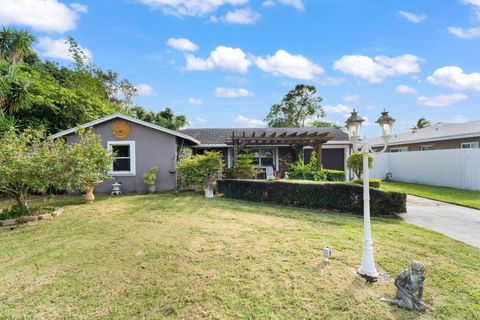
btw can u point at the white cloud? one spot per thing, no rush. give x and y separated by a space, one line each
471 33
286 64
405 89
297 4
78 7
44 15
241 16
232 93
194 101
442 100
339 108
459 119
472 2
377 69
223 58
190 7
144 89
58 49
415 18
249 123
350 98
454 77
182 44
201 120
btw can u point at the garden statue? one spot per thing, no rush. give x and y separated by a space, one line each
409 285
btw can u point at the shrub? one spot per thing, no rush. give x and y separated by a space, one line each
355 163
334 175
13 212
374 183
301 171
150 177
244 168
200 169
345 197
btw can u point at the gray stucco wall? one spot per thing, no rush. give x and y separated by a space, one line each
152 148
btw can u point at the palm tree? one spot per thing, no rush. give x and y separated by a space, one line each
15 44
167 119
14 92
421 123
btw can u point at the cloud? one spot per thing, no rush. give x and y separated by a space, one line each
78 7
442 100
232 93
190 7
144 89
182 44
454 77
412 17
350 98
377 69
45 15
459 119
58 49
194 101
249 123
241 16
339 108
471 33
223 58
286 64
472 2
297 4
405 89
201 120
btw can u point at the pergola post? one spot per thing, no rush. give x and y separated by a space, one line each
318 150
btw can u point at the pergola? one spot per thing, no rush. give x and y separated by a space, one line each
296 141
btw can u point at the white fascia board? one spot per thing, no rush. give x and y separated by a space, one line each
453 137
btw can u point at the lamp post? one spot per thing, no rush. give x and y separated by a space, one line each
354 127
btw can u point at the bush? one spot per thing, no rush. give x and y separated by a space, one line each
344 197
301 171
244 168
334 175
199 169
374 183
355 163
150 177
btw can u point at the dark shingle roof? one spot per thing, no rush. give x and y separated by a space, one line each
216 136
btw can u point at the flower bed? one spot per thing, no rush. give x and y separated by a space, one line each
345 197
40 214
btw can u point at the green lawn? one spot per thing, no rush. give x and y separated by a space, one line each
468 198
181 256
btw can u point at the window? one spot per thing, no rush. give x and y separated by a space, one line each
405 149
124 159
426 148
470 145
264 157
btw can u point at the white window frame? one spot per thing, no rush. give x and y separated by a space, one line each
426 146
475 143
402 149
274 155
132 171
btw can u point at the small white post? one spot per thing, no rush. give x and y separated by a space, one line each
367 267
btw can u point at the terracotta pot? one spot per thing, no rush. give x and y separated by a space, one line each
89 197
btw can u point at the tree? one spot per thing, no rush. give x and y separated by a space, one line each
78 55
14 89
7 123
355 163
244 168
324 124
296 108
15 44
421 123
165 118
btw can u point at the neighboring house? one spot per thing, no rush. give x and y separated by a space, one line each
436 137
139 145
276 147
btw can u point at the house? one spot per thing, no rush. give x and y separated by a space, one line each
436 137
139 145
276 147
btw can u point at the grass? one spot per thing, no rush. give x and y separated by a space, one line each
467 198
181 256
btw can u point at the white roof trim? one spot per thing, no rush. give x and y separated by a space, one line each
128 118
411 141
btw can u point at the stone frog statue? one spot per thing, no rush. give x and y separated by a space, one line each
409 285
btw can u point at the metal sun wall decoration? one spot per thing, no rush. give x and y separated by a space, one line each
121 129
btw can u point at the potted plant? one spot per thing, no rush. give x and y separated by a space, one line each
150 179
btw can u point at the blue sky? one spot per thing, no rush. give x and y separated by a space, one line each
223 63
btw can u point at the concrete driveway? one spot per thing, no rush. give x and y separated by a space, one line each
456 222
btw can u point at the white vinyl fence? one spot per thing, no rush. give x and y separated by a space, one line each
457 168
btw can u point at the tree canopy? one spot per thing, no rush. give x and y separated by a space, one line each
296 108
421 123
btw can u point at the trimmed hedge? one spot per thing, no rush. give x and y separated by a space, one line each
373 183
345 197
335 175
